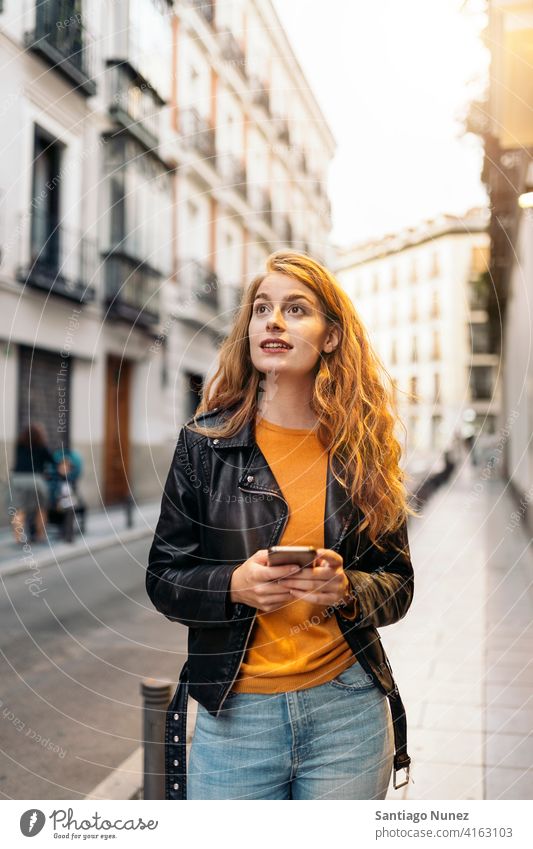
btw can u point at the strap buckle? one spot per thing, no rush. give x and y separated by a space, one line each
406 768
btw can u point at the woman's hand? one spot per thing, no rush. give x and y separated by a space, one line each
325 582
255 583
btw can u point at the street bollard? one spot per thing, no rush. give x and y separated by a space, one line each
130 501
68 527
156 697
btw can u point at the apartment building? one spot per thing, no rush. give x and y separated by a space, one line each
154 154
422 295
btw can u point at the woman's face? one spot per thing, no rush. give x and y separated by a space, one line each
288 310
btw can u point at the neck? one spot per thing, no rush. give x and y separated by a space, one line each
287 403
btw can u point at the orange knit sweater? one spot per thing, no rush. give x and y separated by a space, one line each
296 646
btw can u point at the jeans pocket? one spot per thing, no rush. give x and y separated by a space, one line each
353 679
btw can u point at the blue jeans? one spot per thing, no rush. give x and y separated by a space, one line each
333 741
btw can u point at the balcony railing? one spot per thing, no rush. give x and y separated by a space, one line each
132 106
300 159
281 127
260 201
478 292
232 172
205 9
198 133
61 38
131 290
260 93
283 228
60 261
232 51
198 284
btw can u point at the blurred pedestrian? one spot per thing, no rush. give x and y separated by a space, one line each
28 484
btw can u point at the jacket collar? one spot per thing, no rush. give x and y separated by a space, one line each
340 514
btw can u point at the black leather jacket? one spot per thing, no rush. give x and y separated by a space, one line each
221 503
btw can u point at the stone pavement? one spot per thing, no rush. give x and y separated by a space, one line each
462 657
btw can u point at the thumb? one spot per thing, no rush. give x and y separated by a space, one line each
262 556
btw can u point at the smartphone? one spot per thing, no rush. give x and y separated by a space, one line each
280 555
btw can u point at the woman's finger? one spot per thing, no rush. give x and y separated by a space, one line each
315 598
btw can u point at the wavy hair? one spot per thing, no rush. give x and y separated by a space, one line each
353 397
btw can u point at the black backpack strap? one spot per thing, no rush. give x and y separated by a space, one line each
176 740
399 724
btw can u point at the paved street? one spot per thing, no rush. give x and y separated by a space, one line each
71 664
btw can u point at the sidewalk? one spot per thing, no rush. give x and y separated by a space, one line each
462 656
102 529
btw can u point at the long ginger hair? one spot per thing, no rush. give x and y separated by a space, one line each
353 397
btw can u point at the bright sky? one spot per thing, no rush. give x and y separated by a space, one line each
392 77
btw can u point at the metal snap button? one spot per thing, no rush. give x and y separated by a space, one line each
176 716
176 786
176 763
215 441
250 478
176 739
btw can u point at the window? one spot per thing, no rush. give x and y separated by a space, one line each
481 383
479 338
413 390
435 349
435 306
436 387
46 194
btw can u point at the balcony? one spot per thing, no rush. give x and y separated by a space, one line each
198 133
259 198
132 105
232 172
283 228
131 290
61 39
478 292
205 10
281 128
260 93
60 261
300 159
198 288
232 51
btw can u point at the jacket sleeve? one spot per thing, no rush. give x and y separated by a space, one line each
180 584
384 584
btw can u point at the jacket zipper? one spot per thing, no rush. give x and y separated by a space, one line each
259 492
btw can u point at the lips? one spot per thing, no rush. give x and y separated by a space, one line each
285 345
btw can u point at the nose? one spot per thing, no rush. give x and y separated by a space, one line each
275 318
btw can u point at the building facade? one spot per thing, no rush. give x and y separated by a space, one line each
505 123
421 294
154 154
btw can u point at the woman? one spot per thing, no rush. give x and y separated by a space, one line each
29 489
292 444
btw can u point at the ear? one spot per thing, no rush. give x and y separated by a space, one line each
332 340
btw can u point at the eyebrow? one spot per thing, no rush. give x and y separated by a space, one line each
295 296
